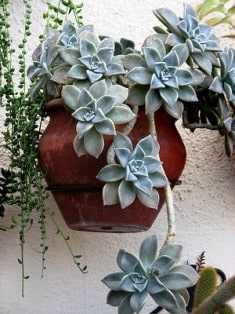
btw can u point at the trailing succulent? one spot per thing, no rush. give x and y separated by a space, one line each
97 110
137 173
180 68
151 274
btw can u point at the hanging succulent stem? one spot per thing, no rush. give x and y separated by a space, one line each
127 129
171 232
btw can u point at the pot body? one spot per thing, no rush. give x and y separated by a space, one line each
72 179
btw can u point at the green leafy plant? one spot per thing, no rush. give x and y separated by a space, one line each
181 69
216 12
21 181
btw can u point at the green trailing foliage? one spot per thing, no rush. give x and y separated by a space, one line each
21 180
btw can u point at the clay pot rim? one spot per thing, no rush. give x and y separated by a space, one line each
54 103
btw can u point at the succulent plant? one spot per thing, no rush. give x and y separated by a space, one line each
164 79
42 69
195 39
97 110
224 83
152 275
137 174
91 61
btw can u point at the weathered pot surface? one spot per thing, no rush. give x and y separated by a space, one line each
72 179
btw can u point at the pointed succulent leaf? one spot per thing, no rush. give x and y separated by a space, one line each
111 173
98 89
148 250
184 76
173 250
113 280
70 95
127 261
121 114
125 307
151 163
105 103
133 60
82 127
138 300
169 95
114 69
167 17
114 298
162 264
127 283
151 201
145 185
140 75
137 94
126 194
119 92
153 101
94 143
122 141
158 179
85 98
70 55
105 54
105 127
148 144
110 193
87 47
187 93
167 300
78 145
62 76
180 277
153 41
203 62
181 50
155 285
217 85
78 72
93 76
151 56
175 110
123 155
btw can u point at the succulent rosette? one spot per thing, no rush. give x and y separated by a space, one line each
137 174
196 40
160 78
151 274
224 83
92 60
97 110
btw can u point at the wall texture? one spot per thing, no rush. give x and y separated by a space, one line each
205 202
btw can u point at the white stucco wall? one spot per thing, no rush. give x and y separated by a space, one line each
205 202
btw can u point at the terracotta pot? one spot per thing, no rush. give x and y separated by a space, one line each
72 180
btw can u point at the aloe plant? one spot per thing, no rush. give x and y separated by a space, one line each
151 274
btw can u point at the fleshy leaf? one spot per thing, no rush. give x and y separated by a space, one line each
94 143
148 250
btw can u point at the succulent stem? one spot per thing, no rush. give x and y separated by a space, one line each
127 129
171 231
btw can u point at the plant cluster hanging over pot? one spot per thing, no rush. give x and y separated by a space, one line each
115 128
